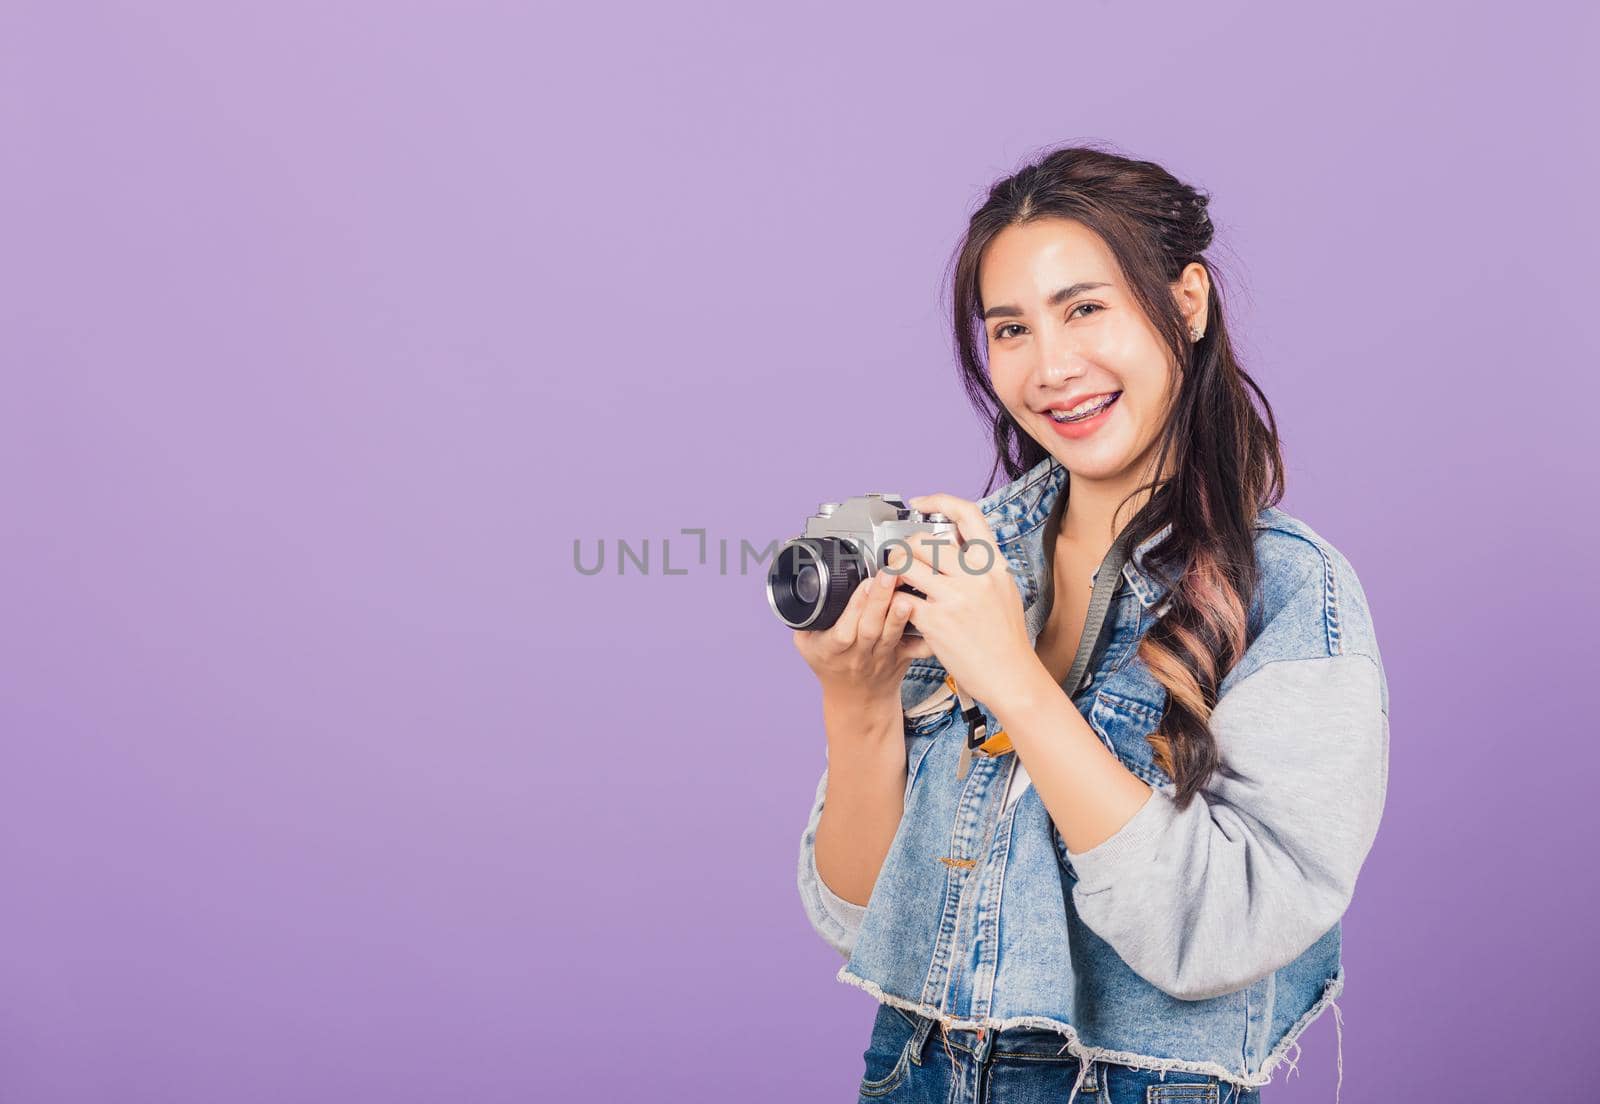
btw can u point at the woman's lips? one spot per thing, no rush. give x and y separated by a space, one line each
1085 426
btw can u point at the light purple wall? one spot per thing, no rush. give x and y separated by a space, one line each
325 332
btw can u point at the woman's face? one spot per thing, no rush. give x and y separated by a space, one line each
1063 327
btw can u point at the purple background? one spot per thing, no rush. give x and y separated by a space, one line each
326 332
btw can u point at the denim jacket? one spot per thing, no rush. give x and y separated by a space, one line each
1203 940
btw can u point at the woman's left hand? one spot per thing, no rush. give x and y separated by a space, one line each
972 617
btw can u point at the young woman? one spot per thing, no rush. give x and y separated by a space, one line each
1091 834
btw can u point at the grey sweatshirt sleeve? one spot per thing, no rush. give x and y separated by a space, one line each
1263 861
835 919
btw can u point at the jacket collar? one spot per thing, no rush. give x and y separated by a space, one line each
1019 509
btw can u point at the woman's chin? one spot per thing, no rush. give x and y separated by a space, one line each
1101 459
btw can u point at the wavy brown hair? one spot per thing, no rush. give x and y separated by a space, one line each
1222 456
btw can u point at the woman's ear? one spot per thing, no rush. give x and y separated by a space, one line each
1193 291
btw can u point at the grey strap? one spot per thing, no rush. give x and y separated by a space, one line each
1105 584
1106 578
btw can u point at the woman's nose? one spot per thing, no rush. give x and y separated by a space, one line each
1057 361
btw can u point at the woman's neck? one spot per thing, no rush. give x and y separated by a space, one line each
1094 513
1097 510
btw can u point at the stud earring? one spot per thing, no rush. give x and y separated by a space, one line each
1194 333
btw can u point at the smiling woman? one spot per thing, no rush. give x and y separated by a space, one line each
1078 348
1137 895
1106 349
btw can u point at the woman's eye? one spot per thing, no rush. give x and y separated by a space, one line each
1095 308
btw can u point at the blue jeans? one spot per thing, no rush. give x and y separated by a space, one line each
910 1060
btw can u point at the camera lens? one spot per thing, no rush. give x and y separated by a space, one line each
808 584
811 580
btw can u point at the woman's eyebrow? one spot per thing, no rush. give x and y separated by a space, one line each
1056 299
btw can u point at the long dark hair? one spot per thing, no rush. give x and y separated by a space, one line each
1222 456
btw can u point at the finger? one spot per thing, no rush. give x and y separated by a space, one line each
915 607
843 632
969 519
879 591
912 571
914 648
894 623
940 551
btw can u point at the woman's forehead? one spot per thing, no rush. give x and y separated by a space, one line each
1035 260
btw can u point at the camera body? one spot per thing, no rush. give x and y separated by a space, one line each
813 575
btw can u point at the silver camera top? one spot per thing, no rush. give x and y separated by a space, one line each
871 520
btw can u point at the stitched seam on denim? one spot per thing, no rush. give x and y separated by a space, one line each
1025 574
1330 992
1007 820
890 1080
1146 590
1075 1042
1034 517
1244 1031
1330 612
1144 714
1335 643
1131 705
1150 590
949 910
1046 470
1309 659
913 768
1158 1094
975 928
1131 650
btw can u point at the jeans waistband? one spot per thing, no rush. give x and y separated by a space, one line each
1016 1042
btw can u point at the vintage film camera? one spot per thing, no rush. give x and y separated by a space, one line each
813 575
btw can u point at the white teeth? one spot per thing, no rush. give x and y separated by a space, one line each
1083 408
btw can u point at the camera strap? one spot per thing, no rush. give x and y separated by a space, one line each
980 741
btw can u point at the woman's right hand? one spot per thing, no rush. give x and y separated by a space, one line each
864 655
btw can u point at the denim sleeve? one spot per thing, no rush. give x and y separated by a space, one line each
835 919
1212 898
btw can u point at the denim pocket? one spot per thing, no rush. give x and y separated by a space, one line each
1205 1092
887 1054
1123 725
